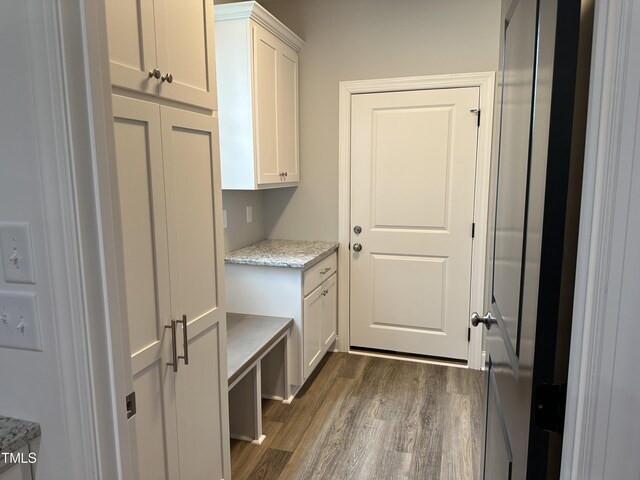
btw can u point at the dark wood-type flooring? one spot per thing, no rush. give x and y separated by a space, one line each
371 418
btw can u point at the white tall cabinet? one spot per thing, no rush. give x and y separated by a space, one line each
257 65
171 252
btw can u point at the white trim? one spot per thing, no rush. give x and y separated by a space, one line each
256 12
598 288
486 83
91 141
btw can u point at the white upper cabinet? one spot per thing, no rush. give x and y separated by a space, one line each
257 65
163 48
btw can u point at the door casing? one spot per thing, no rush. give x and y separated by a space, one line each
485 81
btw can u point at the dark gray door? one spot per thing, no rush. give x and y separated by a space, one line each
528 245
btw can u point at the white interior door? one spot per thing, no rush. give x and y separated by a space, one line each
413 167
146 277
194 208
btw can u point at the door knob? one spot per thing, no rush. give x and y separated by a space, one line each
357 247
357 229
488 319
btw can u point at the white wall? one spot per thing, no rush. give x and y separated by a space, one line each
31 382
239 233
352 40
363 39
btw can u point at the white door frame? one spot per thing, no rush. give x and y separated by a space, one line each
486 83
600 334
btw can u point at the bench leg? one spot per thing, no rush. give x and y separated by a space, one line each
287 384
275 372
245 408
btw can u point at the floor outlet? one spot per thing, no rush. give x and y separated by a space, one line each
19 324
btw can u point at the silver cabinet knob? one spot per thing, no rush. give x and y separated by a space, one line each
167 78
357 247
488 319
155 73
286 173
357 229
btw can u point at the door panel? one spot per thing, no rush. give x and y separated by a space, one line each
132 43
199 405
413 167
146 276
513 168
312 342
499 465
152 385
194 207
288 113
265 58
185 43
330 312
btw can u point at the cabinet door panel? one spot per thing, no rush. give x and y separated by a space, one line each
329 312
311 326
287 75
200 395
194 208
132 44
265 61
185 43
145 265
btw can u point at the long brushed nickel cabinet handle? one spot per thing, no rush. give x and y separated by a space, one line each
174 348
185 340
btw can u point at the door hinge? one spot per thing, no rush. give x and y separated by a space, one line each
476 111
131 405
550 402
469 334
473 230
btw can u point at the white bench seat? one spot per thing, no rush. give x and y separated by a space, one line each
257 367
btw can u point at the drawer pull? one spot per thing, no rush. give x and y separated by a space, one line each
323 272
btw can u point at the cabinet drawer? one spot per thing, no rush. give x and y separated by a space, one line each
319 273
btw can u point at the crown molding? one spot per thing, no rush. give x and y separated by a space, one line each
254 11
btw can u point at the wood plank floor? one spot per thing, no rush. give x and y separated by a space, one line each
371 418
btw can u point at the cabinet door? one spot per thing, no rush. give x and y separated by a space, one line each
311 329
185 44
329 312
287 107
145 267
265 98
194 213
132 44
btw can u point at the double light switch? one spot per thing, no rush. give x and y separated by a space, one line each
19 325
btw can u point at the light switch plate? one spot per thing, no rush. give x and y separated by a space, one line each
224 218
19 324
249 214
17 254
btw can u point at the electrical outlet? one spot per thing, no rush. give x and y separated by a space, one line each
19 325
249 214
17 254
224 218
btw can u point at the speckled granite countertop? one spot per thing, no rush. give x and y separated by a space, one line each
282 253
15 434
